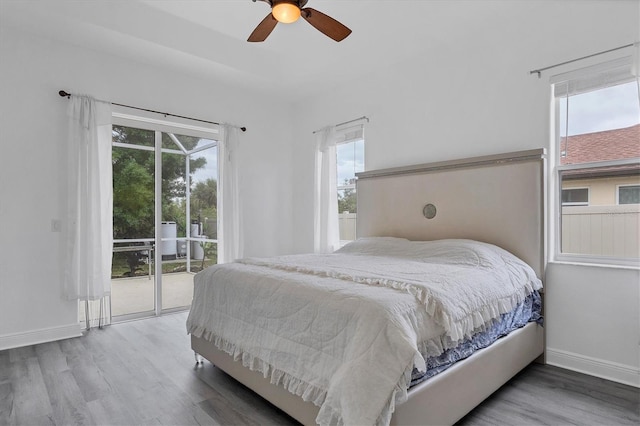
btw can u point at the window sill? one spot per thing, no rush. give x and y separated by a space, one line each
597 262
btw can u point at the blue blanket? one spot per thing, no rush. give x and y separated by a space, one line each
528 310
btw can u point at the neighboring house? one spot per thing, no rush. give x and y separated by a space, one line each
605 186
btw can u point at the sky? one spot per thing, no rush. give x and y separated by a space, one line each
615 107
210 170
350 160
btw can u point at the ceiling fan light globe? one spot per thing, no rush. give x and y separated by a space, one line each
286 12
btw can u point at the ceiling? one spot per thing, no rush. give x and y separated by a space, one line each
208 37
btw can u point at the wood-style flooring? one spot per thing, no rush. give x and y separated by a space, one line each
143 373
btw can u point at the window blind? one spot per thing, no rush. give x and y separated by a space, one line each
594 77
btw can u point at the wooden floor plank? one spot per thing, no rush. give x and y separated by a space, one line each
543 394
6 403
112 410
5 371
29 393
143 373
240 397
67 401
21 353
51 357
224 414
193 415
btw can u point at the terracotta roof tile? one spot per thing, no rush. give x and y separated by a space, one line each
602 146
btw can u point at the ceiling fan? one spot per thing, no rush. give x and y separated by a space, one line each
288 11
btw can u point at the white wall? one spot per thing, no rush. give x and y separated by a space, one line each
33 123
593 317
475 96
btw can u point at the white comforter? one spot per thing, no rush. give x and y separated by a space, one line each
343 330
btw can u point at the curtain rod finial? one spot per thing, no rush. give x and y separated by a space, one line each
64 94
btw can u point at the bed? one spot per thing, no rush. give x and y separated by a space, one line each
344 337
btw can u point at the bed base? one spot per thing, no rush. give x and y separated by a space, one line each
442 399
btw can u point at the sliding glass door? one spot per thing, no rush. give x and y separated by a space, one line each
165 217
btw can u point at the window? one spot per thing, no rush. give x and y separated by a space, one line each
629 194
597 171
350 160
575 197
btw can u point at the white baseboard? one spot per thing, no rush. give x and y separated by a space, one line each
609 370
16 340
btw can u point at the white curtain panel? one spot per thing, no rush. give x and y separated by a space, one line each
96 312
88 225
326 234
230 240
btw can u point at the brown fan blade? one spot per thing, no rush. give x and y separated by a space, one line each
325 24
263 29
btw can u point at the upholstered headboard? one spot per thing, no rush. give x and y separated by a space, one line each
497 199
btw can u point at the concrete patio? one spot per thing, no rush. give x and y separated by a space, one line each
135 295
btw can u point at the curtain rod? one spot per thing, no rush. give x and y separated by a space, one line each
539 70
364 117
68 96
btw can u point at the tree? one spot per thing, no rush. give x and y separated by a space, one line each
133 184
205 194
133 197
204 202
347 201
